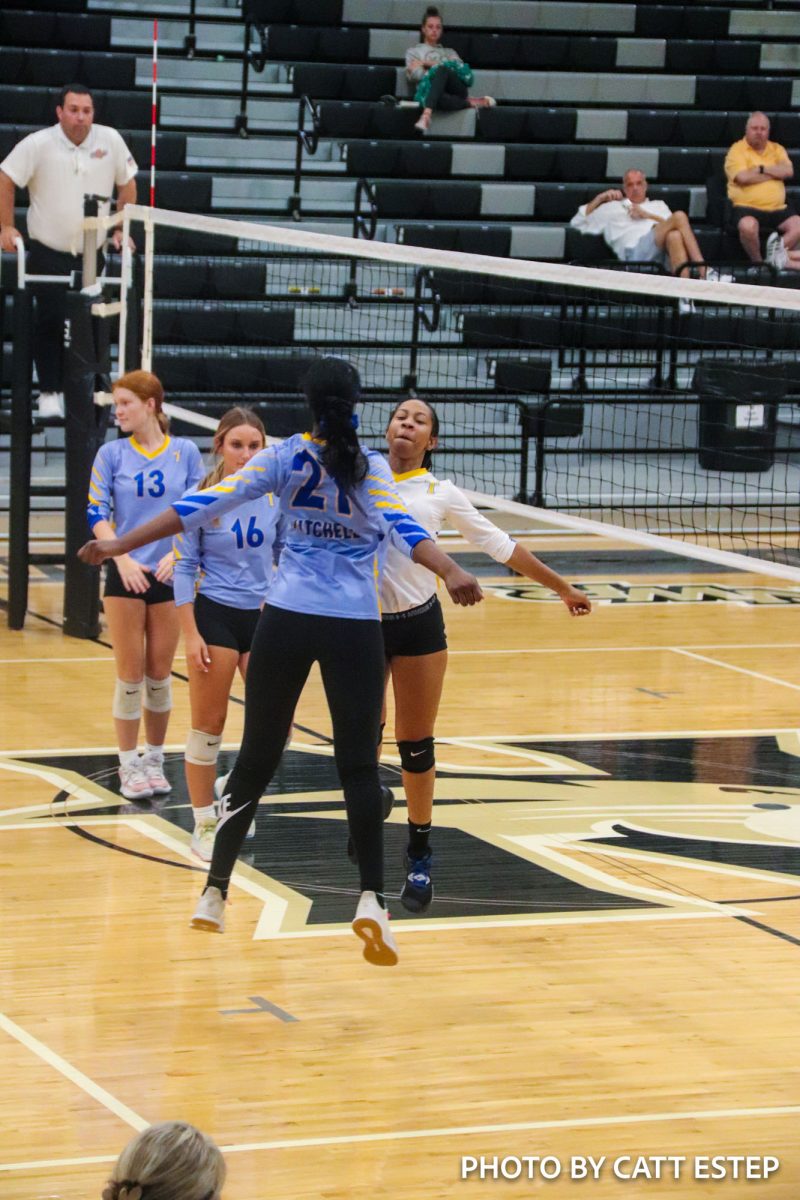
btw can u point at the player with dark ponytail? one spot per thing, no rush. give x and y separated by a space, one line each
332 389
340 503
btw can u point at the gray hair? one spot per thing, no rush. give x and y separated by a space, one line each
170 1161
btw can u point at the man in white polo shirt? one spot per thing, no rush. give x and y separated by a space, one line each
59 166
638 229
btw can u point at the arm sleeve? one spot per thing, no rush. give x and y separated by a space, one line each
414 68
475 527
186 549
100 488
734 161
279 541
125 166
383 502
195 469
18 165
580 220
594 222
262 474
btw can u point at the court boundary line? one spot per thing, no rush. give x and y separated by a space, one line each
401 1135
72 1074
93 658
715 662
594 735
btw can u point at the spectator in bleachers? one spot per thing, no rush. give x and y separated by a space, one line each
756 169
58 166
641 230
169 1161
443 79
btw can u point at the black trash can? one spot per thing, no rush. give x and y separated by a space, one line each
737 414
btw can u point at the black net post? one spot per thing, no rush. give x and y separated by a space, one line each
86 367
20 464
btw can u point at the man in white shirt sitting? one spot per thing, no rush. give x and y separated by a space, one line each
638 229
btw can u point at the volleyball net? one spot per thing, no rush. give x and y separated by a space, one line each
651 409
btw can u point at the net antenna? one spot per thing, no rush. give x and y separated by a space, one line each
154 116
653 410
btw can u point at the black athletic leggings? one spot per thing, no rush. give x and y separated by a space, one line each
350 656
448 93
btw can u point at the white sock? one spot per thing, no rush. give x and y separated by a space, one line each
207 815
126 757
156 752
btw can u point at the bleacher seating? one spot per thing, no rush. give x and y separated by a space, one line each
585 91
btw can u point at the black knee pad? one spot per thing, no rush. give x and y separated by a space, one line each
417 757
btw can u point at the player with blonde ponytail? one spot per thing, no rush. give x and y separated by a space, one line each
223 571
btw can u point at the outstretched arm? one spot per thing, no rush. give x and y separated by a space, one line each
165 524
481 532
529 565
192 510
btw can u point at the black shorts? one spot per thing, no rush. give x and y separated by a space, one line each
222 625
157 593
415 632
767 221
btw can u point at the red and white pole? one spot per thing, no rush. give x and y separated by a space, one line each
153 117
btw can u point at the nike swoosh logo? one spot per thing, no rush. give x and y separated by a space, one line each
416 753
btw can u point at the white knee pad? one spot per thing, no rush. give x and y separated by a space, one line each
127 704
202 749
158 694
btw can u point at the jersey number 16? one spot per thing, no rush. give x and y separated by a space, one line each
253 535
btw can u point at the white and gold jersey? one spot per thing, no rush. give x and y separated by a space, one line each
435 504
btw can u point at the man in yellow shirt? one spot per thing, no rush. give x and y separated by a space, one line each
756 169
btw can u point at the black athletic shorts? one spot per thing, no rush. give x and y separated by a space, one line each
222 625
157 593
415 632
766 220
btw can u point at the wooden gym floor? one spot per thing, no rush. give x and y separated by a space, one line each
610 967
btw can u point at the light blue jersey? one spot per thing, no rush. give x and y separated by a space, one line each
329 564
232 558
129 485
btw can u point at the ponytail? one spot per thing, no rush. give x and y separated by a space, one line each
170 1161
332 388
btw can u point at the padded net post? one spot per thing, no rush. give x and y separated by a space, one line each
20 465
86 370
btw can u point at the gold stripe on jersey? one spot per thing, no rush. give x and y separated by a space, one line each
149 453
400 476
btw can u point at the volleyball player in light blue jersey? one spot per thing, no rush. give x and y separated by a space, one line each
133 478
223 571
340 503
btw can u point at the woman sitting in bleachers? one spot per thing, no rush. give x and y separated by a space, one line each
443 79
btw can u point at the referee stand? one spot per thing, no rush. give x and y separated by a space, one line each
87 369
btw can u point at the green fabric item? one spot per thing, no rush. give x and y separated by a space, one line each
463 71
